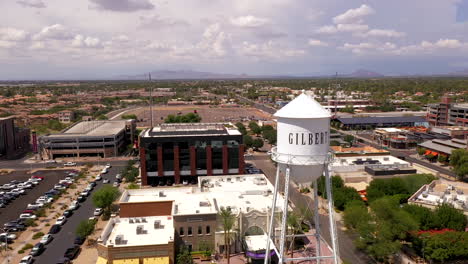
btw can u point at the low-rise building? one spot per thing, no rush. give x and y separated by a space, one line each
66 116
100 138
458 132
447 113
190 217
439 192
178 153
443 146
14 141
372 122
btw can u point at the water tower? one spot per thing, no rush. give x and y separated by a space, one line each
303 156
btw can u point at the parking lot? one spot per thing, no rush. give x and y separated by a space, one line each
17 206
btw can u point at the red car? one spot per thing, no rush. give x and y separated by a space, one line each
38 177
28 212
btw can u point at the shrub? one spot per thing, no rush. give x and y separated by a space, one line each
38 235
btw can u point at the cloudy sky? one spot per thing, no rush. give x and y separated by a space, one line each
82 39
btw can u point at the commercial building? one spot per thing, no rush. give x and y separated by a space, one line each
14 141
443 147
457 132
189 216
103 138
438 192
447 113
66 116
372 122
179 153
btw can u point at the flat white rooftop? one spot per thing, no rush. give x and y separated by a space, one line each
138 231
192 129
242 193
97 128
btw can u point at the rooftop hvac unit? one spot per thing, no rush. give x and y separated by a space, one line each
157 224
119 239
161 194
204 204
143 220
130 220
140 230
137 220
197 211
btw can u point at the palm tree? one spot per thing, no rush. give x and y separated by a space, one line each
228 222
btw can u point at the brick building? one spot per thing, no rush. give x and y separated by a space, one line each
179 153
66 116
14 141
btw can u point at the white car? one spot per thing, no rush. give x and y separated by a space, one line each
59 187
116 184
26 260
69 164
61 220
34 206
19 190
99 177
104 171
11 236
34 181
46 239
98 212
8 186
50 161
105 181
108 166
74 205
27 216
84 193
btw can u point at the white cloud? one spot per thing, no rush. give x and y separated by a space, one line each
248 21
7 44
37 45
389 33
88 42
56 31
352 28
370 48
317 43
12 34
123 5
31 3
268 50
354 16
215 41
449 43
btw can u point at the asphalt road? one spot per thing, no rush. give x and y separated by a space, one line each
65 238
17 206
347 250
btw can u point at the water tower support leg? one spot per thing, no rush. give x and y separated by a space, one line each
271 225
318 250
331 212
284 219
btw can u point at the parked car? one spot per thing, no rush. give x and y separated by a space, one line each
8 235
61 220
54 229
34 206
115 184
97 212
69 164
4 238
79 240
8 186
106 181
99 177
118 176
59 187
74 205
26 260
104 171
38 177
46 239
81 198
37 249
72 252
27 216
67 213
108 166
50 161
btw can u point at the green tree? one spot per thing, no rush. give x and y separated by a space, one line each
187 118
349 139
257 143
344 195
255 128
241 128
449 217
270 135
184 256
421 151
227 220
248 141
104 197
85 228
129 116
356 214
102 117
459 162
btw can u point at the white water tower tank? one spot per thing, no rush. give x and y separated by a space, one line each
303 138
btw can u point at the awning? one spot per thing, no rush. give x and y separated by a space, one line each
101 260
427 152
160 260
126 261
434 153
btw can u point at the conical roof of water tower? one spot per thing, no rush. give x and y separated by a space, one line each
303 106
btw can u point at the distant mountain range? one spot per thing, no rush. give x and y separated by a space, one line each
194 75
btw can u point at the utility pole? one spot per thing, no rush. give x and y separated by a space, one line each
151 101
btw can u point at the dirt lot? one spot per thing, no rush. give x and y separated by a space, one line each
208 114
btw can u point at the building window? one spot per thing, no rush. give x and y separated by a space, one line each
217 154
233 154
200 231
181 231
200 147
168 156
208 230
184 156
189 231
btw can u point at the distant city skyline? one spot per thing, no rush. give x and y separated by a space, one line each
99 39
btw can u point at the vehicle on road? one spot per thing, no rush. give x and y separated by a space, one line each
61 220
79 240
67 213
63 261
108 166
104 171
54 229
115 184
26 260
84 193
69 164
37 249
72 252
46 239
27 216
81 198
74 205
118 176
50 161
99 177
97 212
106 181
